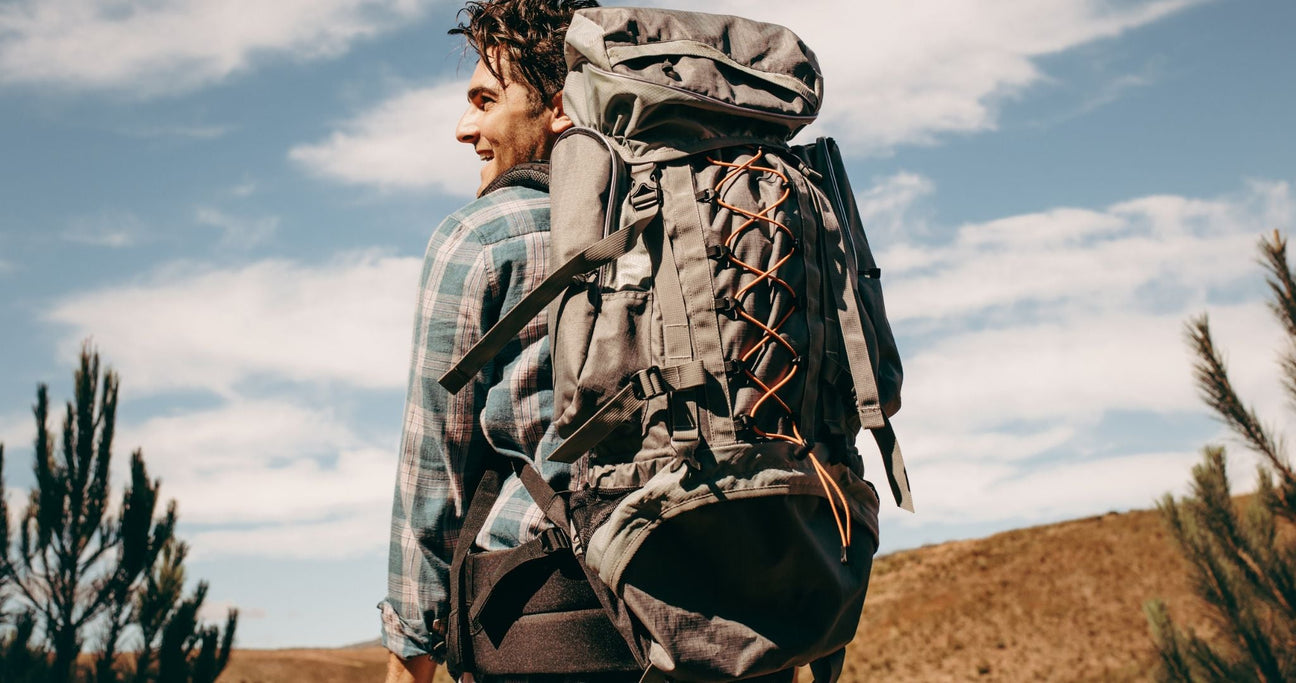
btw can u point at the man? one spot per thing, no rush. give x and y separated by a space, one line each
480 261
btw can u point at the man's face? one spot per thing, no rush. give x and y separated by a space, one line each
507 125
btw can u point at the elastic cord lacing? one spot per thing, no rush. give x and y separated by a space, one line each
771 333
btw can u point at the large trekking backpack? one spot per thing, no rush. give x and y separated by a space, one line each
718 339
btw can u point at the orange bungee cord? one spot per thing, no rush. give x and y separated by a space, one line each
771 332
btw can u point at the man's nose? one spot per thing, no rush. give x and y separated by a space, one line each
467 131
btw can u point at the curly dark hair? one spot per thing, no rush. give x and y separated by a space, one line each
529 34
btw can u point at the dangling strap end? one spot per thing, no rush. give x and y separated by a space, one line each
454 379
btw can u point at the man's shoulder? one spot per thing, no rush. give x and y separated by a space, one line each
504 214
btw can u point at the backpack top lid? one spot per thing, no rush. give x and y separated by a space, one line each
662 84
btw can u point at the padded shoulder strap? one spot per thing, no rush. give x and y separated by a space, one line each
532 174
511 323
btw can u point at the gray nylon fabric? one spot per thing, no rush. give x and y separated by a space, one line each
699 81
681 226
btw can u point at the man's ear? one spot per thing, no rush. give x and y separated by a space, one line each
560 121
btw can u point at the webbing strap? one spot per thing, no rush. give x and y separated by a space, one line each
510 324
897 477
854 338
867 402
678 342
643 385
683 226
550 503
478 510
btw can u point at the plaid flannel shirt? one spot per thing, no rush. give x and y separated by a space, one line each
479 263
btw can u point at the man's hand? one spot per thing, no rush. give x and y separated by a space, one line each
413 670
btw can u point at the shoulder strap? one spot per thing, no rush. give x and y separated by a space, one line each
602 252
532 174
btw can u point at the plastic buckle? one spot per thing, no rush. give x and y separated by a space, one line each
727 306
643 195
552 539
648 383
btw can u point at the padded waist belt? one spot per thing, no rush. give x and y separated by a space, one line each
540 616
526 610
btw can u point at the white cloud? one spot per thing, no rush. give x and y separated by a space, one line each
406 142
192 327
1020 335
973 492
17 433
906 73
242 433
1072 371
169 46
1068 314
109 228
326 540
244 189
887 208
1086 257
910 72
241 233
302 489
977 446
254 470
192 132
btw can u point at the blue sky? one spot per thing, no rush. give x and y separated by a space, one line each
232 198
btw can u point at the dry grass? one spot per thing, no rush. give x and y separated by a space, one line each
1052 603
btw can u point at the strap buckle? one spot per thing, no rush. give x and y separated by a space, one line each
552 539
643 196
649 383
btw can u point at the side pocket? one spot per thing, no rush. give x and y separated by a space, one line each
618 346
571 323
591 507
585 179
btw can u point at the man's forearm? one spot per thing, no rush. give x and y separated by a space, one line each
413 670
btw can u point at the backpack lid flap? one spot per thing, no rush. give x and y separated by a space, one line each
664 84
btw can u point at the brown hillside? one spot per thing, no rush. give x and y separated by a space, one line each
1052 603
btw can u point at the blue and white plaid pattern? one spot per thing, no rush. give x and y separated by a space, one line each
479 263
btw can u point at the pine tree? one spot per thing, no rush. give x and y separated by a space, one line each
1243 563
81 568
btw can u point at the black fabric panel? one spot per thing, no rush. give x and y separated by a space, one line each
555 643
543 618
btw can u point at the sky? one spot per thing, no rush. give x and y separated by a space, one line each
231 199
